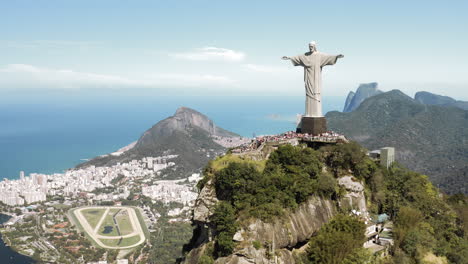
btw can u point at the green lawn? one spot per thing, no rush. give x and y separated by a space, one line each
123 220
222 162
107 227
121 243
93 216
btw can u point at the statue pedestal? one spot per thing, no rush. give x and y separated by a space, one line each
312 125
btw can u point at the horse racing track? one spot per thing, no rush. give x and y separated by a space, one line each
111 227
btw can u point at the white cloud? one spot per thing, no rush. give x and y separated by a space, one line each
210 54
265 68
28 76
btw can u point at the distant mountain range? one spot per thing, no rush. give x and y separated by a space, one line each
429 138
366 90
187 133
434 99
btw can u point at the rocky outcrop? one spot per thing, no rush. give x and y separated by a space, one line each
354 197
348 101
278 238
364 91
296 227
250 255
205 204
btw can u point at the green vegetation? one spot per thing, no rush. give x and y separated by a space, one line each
223 161
290 176
341 159
205 259
124 242
93 216
108 228
264 189
426 226
123 221
339 241
424 222
117 179
257 245
224 219
429 139
168 240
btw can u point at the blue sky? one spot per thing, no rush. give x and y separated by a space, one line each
231 47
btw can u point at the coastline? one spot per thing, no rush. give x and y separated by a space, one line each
8 254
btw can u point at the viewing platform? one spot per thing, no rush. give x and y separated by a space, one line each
261 146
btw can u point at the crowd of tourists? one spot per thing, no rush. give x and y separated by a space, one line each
257 142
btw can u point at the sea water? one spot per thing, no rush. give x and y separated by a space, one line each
52 135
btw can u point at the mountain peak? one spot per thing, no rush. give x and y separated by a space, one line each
184 109
188 134
364 91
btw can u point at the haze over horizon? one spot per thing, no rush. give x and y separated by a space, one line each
63 48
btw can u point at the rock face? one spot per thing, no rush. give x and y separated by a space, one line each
279 238
183 120
364 91
354 197
348 101
205 204
435 99
298 226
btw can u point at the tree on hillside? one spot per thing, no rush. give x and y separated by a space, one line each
337 240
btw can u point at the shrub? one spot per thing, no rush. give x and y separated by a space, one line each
336 240
256 244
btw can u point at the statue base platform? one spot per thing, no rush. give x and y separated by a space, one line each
312 125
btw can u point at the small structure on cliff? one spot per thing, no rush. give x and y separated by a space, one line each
386 156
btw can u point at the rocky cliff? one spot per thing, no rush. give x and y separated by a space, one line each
278 239
364 91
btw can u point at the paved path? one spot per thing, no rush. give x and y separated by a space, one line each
93 233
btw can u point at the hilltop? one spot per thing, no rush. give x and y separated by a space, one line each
429 139
188 133
305 205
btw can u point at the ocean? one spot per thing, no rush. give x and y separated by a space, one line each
47 135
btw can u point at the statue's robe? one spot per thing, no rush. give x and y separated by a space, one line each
313 63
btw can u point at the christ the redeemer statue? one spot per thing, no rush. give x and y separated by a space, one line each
313 121
313 61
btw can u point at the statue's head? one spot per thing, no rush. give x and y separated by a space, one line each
313 46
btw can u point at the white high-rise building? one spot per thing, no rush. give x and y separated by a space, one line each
387 156
150 163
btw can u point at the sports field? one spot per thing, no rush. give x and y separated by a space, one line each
112 227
